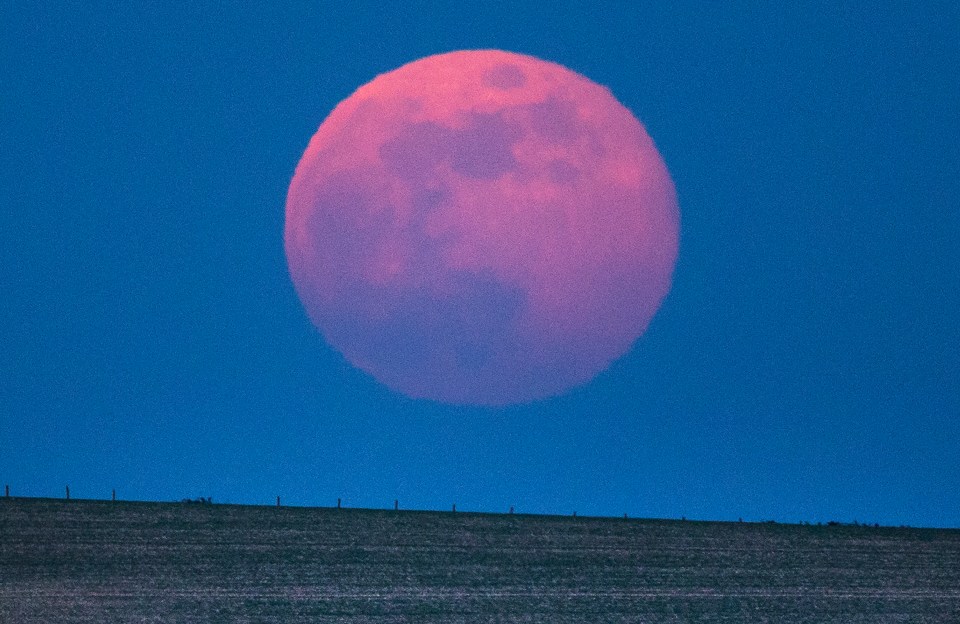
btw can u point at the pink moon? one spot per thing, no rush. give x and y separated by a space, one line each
481 227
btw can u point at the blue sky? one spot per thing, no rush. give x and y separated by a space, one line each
805 366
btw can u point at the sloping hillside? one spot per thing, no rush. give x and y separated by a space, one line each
99 561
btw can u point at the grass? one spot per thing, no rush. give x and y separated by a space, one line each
102 561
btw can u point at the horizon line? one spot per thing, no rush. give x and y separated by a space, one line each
208 502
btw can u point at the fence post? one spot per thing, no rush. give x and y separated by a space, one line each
454 508
396 504
278 501
68 492
7 491
113 495
338 503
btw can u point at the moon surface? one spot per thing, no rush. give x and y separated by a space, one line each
481 227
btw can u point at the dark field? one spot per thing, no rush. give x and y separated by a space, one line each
93 561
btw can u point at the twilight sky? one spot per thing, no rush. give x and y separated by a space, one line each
805 365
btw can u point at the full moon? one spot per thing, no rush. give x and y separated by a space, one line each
481 227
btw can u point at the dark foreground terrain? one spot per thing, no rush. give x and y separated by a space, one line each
93 561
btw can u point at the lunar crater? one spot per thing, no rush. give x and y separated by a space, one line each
504 76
